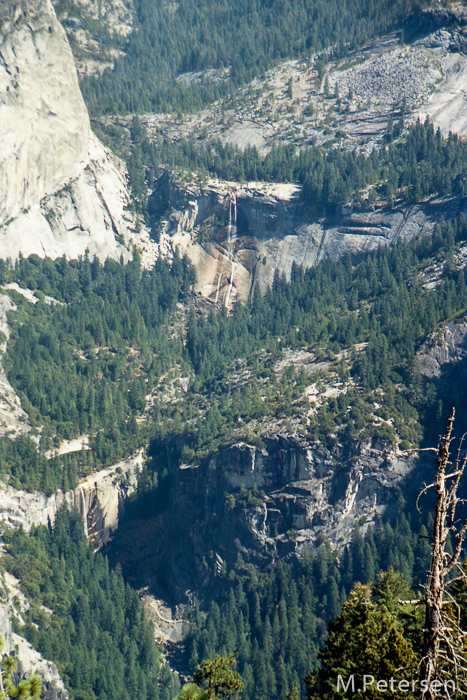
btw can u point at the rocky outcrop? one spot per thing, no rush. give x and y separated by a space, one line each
443 32
447 347
29 660
443 362
84 30
433 21
262 503
98 499
44 125
61 192
88 213
238 236
13 420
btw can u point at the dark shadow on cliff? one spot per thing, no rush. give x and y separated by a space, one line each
421 24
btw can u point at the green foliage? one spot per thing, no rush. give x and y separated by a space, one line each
420 165
219 677
245 37
81 366
318 308
276 620
366 638
26 689
85 367
82 615
191 691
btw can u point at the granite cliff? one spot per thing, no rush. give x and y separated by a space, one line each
45 127
264 503
239 235
99 499
29 660
61 192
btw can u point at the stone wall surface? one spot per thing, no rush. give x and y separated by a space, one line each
99 499
29 660
44 125
249 500
61 191
240 236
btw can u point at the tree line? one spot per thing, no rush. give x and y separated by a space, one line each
277 621
81 366
420 165
245 38
85 367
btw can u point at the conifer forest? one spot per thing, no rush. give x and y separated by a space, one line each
232 440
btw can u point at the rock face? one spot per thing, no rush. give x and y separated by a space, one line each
87 214
13 420
92 55
98 499
430 22
44 125
210 513
447 348
239 236
30 661
443 32
61 193
443 360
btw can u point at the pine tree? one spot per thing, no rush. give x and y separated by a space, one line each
366 638
221 679
26 689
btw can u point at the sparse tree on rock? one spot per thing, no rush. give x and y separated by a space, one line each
27 688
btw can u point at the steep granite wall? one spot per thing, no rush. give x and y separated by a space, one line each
61 191
44 125
238 236
29 660
98 499
262 503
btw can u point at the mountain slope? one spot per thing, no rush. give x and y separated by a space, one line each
60 191
44 122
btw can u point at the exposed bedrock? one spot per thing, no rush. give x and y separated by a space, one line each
29 660
248 500
61 191
433 20
239 235
99 499
44 125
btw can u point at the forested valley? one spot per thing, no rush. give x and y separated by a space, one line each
107 339
244 39
132 360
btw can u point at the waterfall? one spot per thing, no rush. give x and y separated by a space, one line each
84 512
231 238
218 286
231 243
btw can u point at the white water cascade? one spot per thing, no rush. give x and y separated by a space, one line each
231 243
231 239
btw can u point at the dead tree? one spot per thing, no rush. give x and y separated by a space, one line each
444 643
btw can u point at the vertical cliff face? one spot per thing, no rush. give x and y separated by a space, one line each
61 191
99 500
238 236
44 125
29 660
264 503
